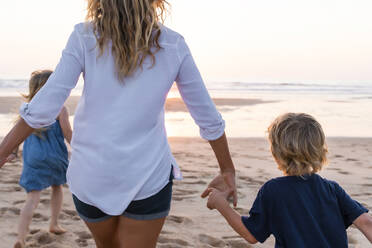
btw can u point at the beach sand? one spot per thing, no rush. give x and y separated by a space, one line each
190 223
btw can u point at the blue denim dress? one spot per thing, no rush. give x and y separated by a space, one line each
45 160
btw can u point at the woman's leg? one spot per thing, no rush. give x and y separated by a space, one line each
105 232
139 233
33 199
56 205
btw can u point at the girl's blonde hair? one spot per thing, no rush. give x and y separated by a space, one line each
132 26
298 144
36 82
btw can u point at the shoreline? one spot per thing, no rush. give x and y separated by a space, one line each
11 104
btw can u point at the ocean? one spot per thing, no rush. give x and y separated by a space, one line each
343 109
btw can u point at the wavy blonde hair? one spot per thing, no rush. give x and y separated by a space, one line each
298 144
133 28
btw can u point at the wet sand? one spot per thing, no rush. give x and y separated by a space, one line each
12 104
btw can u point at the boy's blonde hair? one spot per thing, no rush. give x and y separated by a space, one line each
298 144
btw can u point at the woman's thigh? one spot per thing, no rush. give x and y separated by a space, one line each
139 233
105 232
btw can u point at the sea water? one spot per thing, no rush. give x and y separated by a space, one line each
343 109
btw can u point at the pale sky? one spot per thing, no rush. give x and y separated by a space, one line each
234 40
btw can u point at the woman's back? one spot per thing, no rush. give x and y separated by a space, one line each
119 133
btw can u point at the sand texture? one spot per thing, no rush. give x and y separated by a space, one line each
190 223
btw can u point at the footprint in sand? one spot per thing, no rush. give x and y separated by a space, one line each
43 238
172 242
45 201
238 243
11 181
33 231
351 160
199 182
212 241
179 219
72 214
338 156
182 194
18 202
12 210
344 172
81 242
39 217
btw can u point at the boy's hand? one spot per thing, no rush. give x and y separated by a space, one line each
216 198
224 182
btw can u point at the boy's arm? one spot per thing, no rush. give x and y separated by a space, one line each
364 224
217 200
65 124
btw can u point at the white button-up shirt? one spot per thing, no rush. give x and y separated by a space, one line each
120 150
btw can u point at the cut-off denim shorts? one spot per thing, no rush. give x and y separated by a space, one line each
154 207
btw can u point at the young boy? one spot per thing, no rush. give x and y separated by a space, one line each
300 209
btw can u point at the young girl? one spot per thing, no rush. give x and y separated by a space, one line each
45 161
121 161
300 209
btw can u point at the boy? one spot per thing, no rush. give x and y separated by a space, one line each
300 209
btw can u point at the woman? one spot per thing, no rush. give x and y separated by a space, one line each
121 167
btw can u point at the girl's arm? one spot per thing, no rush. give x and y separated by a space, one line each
364 224
217 200
14 138
65 124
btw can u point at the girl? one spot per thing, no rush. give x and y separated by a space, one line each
121 161
45 161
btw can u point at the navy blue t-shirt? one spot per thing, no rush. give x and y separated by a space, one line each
307 211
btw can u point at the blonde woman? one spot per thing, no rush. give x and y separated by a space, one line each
121 167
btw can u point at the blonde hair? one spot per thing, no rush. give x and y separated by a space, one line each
36 82
298 144
133 28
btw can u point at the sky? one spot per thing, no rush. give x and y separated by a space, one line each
235 40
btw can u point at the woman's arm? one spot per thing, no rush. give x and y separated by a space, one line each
204 112
65 124
45 106
364 224
14 138
227 170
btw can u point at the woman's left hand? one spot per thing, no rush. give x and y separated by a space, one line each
224 182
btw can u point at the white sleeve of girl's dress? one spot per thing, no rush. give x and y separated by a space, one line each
196 97
46 105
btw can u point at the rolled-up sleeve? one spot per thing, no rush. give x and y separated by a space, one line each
196 97
45 106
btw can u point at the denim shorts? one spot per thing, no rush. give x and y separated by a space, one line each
154 207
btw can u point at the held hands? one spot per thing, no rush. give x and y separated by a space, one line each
224 186
217 198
